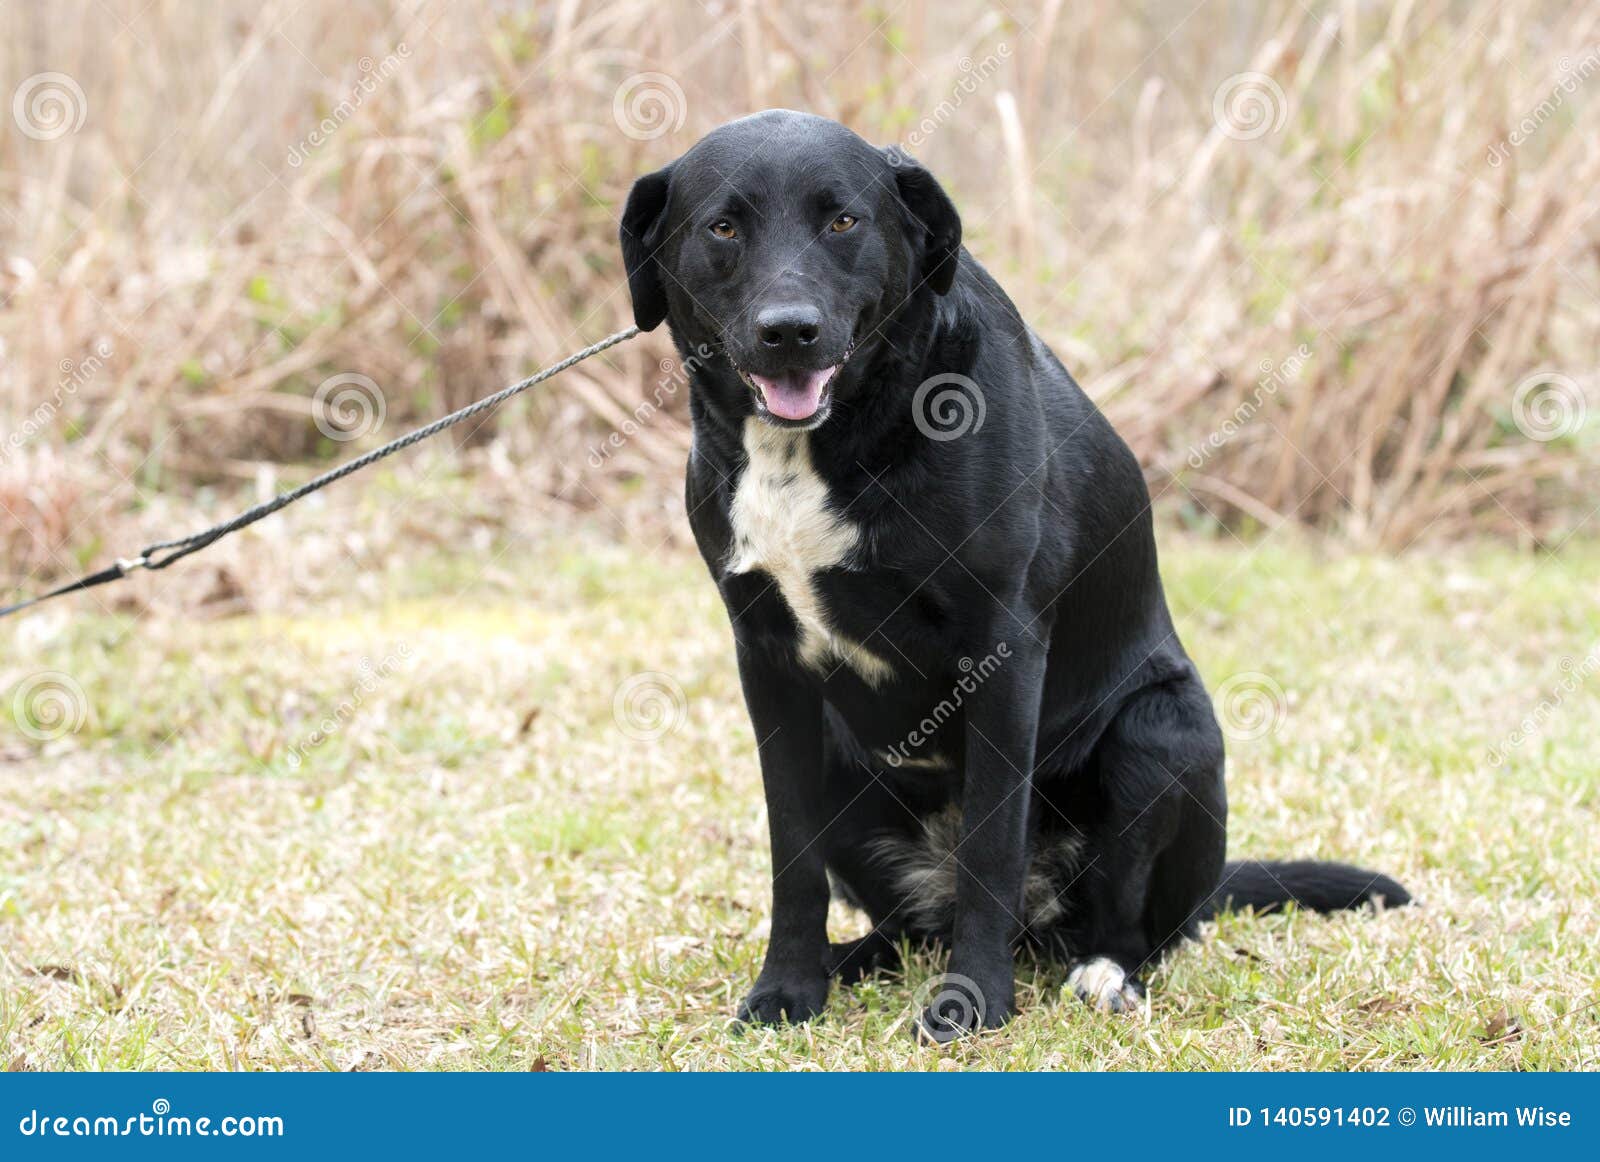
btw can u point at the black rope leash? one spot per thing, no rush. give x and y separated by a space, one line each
164 553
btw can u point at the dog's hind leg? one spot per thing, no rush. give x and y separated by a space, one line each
873 834
854 960
1155 848
856 844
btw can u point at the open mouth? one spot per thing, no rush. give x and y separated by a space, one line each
794 396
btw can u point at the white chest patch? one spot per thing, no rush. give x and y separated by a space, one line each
782 525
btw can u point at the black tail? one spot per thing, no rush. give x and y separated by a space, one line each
1325 887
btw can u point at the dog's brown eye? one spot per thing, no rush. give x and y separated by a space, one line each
723 228
842 223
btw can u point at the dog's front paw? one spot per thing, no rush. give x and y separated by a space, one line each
954 1005
1102 984
784 1001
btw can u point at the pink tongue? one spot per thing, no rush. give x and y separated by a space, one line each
794 395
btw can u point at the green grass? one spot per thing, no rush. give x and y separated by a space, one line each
477 868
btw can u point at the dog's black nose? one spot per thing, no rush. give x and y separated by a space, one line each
788 327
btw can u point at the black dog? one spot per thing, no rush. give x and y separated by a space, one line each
970 704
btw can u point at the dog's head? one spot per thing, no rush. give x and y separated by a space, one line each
785 241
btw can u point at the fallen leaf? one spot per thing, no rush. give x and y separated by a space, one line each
1380 1005
1502 1027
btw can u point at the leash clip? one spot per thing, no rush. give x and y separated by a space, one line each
129 564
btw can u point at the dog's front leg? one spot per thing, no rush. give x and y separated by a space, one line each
979 988
786 714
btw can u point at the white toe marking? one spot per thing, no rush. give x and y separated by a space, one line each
1102 983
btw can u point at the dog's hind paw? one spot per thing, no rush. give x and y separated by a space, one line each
856 960
1101 983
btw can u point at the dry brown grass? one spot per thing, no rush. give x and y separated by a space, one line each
457 227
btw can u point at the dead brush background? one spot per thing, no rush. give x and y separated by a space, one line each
1331 263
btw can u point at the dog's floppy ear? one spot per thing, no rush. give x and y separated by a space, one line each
933 219
642 228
